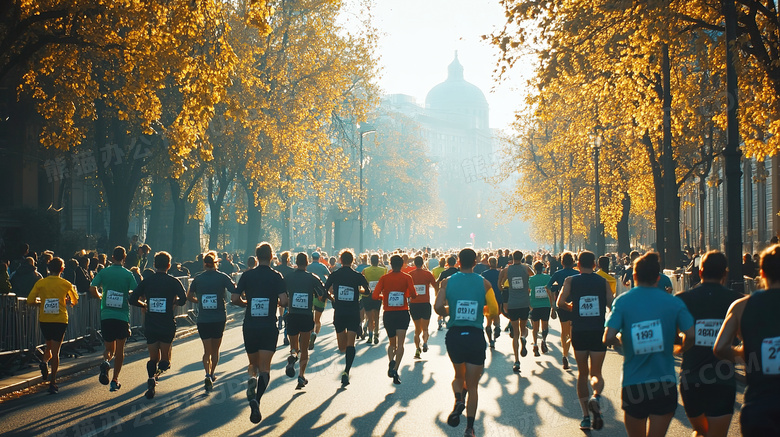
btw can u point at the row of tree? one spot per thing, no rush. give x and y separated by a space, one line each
648 78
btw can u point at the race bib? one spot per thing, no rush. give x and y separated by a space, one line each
589 306
114 299
259 307
372 285
466 310
421 289
395 299
346 293
707 331
300 301
517 283
540 292
157 304
647 337
209 301
770 356
51 306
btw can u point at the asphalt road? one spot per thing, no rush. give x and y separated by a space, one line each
539 402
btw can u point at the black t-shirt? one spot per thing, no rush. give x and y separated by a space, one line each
708 303
161 291
588 296
262 287
346 284
302 287
502 261
447 273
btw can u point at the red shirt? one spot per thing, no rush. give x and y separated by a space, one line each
394 288
422 278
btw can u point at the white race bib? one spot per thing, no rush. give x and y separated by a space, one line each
157 304
589 306
51 306
770 356
647 337
395 299
466 310
421 289
300 301
707 331
259 307
209 301
114 299
540 292
346 293
517 283
372 285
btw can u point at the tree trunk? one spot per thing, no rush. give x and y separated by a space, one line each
156 227
318 222
215 204
286 224
624 237
671 199
179 219
254 220
702 212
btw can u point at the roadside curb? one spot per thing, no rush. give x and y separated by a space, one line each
77 365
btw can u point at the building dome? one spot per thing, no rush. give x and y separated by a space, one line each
458 98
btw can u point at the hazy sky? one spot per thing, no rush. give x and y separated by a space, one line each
418 40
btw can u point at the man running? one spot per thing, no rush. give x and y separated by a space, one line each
322 273
587 296
208 290
52 294
517 306
463 298
158 294
260 290
345 285
491 274
395 288
302 288
420 306
754 320
542 304
370 305
649 320
604 273
115 282
555 284
708 386
444 274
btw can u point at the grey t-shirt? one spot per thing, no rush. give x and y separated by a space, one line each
302 288
210 287
517 275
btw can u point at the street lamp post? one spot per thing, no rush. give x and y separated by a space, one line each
363 129
595 144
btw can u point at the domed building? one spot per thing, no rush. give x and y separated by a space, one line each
458 101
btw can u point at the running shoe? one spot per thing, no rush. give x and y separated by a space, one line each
115 385
469 433
150 385
53 389
376 338
565 363
595 409
44 370
516 367
251 388
311 340
585 424
290 368
390 368
208 385
417 354
536 351
441 322
453 419
254 411
103 377
492 344
396 378
301 383
344 379
213 377
425 347
370 338
496 331
523 350
544 347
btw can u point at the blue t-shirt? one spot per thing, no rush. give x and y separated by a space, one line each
648 319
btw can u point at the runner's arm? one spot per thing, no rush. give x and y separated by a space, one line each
724 345
94 292
564 296
610 337
191 296
441 300
490 300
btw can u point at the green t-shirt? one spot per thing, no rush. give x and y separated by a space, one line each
538 292
116 282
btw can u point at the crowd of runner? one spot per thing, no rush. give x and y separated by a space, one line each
710 326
